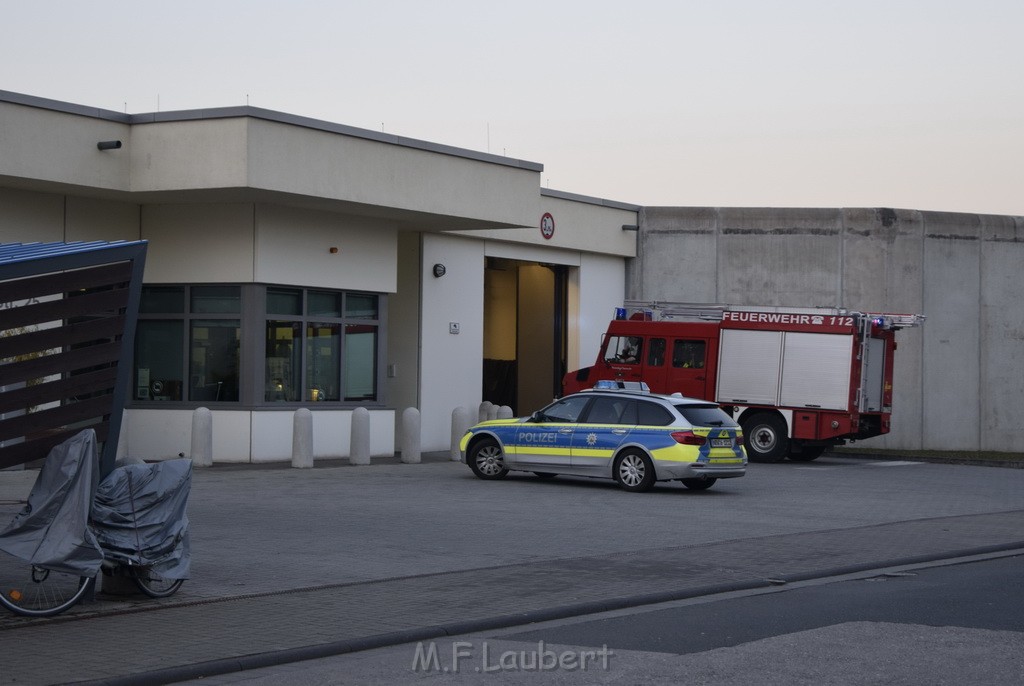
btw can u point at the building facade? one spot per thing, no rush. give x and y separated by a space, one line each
298 263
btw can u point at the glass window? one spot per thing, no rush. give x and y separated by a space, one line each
360 362
213 360
650 414
162 300
323 353
606 410
566 409
284 301
687 354
318 345
159 358
216 300
323 304
283 371
656 352
360 306
624 349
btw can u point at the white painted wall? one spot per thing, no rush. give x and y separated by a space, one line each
198 243
293 247
243 436
451 373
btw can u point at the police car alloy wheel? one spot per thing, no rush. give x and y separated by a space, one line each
634 471
487 460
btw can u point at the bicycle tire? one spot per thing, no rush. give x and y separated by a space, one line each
38 592
154 585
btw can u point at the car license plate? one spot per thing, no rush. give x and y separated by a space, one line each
721 442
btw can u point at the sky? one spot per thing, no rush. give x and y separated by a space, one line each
915 104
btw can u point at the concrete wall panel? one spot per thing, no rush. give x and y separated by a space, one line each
950 387
293 247
783 256
956 381
58 147
90 219
1002 334
198 243
29 217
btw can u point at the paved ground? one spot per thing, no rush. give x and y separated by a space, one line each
291 564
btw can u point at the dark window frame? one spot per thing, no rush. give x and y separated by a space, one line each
253 318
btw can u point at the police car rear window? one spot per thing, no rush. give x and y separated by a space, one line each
706 415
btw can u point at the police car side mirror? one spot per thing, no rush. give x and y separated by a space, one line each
537 417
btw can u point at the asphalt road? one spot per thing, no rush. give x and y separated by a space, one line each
957 624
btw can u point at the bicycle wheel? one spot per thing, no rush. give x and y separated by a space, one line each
36 592
154 585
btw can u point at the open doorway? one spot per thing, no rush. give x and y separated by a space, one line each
524 333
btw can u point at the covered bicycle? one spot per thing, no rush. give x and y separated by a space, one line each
132 523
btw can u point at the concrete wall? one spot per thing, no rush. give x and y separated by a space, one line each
958 383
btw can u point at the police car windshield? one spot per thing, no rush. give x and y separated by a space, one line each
705 415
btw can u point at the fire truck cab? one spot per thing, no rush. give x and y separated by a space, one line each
798 380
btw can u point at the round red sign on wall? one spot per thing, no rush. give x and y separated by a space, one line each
547 225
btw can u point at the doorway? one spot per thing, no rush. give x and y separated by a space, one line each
524 333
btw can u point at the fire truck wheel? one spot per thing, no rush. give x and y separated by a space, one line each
766 439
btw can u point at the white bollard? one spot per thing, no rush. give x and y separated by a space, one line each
485 411
302 439
504 412
359 452
411 436
460 424
492 412
202 437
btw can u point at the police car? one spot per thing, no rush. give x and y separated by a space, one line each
613 431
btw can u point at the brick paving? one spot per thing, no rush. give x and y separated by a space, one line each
221 629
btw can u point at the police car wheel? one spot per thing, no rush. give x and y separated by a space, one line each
634 471
487 460
698 484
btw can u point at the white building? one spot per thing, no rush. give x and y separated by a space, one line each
299 263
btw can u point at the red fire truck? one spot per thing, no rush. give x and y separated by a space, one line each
798 380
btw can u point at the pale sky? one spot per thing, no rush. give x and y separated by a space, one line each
914 104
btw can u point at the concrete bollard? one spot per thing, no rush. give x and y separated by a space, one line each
411 436
460 424
504 412
485 410
359 452
302 439
202 437
492 412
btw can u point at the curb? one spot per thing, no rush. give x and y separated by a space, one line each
934 459
441 631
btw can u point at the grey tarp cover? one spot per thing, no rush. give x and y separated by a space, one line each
139 516
52 530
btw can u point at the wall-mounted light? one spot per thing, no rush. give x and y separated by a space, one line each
630 227
108 145
439 270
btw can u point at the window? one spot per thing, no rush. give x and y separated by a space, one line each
656 352
321 345
257 344
687 354
650 414
624 349
565 410
173 338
